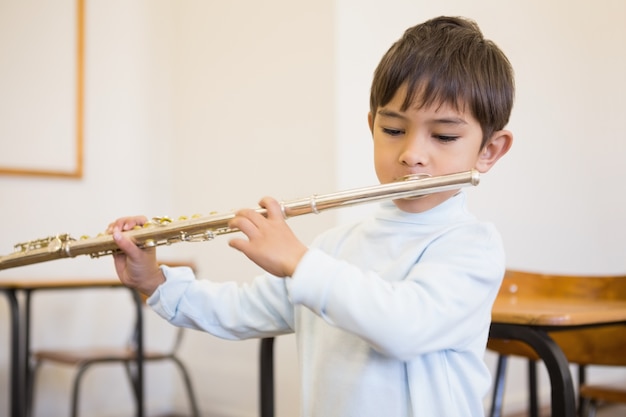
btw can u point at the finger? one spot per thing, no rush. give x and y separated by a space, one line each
244 223
126 223
273 207
240 244
251 215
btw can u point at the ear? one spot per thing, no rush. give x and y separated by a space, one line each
496 148
370 121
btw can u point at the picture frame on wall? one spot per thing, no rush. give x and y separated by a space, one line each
42 84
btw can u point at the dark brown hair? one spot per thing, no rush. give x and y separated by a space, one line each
447 60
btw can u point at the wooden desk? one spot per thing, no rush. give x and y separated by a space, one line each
529 319
20 330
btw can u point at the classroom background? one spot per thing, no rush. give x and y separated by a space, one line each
197 106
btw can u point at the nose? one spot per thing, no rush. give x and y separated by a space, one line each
414 153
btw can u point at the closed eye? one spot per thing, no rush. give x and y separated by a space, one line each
392 132
446 138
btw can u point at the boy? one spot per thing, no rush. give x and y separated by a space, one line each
392 313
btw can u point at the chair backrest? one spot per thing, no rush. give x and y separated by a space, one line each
594 346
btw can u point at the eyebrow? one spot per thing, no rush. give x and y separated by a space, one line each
442 120
391 113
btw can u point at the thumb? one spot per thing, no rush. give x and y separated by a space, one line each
124 243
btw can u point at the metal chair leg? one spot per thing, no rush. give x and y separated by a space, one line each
195 411
30 389
498 387
76 387
533 397
498 390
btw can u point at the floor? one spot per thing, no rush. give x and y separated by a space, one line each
617 411
614 411
604 411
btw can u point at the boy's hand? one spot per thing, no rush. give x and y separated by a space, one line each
271 244
136 268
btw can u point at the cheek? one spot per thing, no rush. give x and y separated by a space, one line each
383 149
466 156
381 166
468 161
384 154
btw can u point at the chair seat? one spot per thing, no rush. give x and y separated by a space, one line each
603 393
512 348
99 354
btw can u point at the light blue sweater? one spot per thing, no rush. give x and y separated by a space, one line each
391 314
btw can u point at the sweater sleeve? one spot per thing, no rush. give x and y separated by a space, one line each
443 301
227 310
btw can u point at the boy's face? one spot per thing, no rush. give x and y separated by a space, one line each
435 140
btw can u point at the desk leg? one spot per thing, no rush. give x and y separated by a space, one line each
267 377
563 399
26 364
139 377
16 394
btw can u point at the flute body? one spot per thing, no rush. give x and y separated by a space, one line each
163 231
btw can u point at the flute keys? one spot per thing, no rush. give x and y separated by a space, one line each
193 216
162 220
53 243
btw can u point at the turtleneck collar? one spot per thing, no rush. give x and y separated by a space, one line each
452 210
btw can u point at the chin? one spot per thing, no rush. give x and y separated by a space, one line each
423 203
414 204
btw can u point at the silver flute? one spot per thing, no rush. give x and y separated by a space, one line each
165 231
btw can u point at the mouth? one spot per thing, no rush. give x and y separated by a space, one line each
411 177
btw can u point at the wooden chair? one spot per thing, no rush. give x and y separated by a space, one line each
591 395
83 359
604 346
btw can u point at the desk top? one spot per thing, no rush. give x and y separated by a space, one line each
507 309
7 283
536 299
549 311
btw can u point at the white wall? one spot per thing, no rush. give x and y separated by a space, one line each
198 106
254 117
128 131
